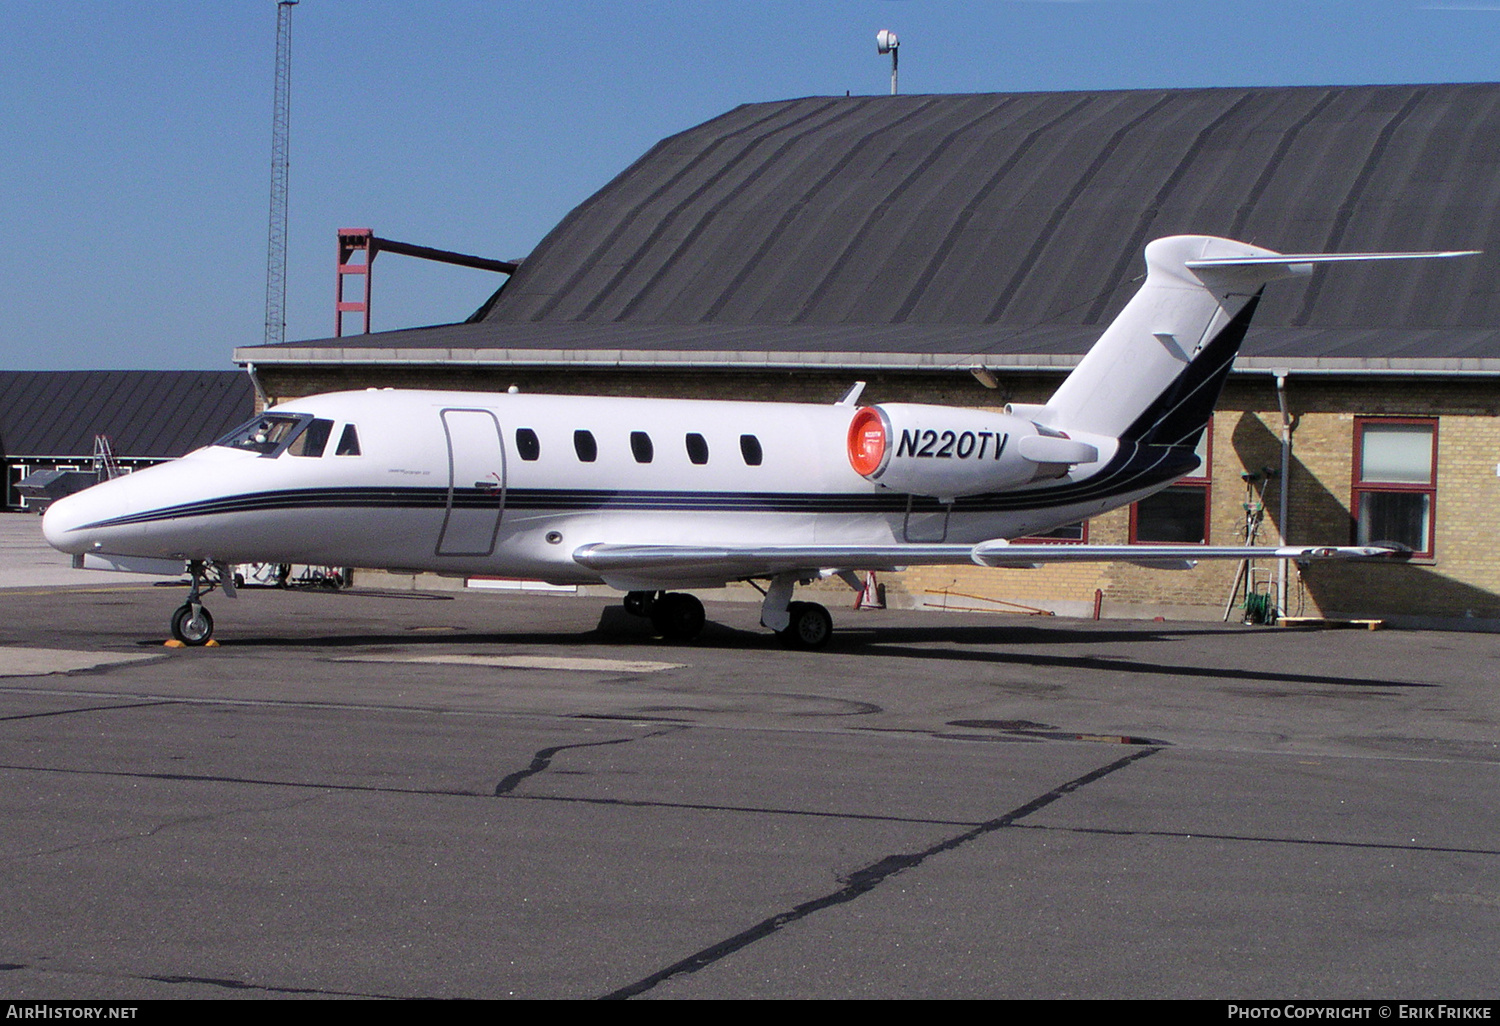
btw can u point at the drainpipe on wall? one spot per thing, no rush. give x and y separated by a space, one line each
1286 467
260 393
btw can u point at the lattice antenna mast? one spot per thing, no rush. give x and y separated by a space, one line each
280 172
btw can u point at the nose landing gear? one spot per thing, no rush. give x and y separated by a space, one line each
192 624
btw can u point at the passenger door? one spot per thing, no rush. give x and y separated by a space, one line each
476 483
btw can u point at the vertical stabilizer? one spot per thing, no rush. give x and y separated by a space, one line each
1156 372
1158 368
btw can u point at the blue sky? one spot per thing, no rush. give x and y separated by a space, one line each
135 137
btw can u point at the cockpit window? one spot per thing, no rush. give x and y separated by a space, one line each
348 442
267 434
312 440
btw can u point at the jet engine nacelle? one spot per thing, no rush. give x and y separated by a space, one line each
947 452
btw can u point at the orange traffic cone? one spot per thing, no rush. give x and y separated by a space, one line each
872 595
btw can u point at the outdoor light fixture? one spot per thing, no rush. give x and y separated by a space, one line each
886 42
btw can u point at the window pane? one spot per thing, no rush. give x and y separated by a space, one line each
585 446
1400 517
750 450
528 446
640 446
312 441
265 434
1175 515
348 442
1398 453
697 448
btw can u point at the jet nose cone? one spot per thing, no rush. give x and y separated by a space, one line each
61 523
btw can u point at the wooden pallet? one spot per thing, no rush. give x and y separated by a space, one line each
1318 621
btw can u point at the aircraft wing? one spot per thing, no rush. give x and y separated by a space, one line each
671 562
1002 553
733 562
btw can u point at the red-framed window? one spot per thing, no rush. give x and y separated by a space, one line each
1395 482
1178 514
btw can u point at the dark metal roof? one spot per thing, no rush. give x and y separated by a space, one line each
1016 217
145 413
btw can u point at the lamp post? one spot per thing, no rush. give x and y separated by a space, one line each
886 42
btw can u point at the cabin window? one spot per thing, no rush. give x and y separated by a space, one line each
313 439
585 446
750 449
697 449
1395 482
348 442
640 446
528 446
1177 514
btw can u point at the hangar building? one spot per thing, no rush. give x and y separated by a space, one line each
49 419
784 250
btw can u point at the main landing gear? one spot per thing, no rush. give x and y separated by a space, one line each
675 615
191 624
678 617
808 626
804 625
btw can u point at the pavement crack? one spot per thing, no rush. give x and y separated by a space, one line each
263 988
84 709
158 828
543 758
864 880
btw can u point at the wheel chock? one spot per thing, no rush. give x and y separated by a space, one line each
210 643
172 643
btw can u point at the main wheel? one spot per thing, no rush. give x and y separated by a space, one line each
677 616
192 628
639 603
810 627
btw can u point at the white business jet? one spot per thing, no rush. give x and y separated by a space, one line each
654 495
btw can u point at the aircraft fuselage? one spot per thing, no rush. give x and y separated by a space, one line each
512 485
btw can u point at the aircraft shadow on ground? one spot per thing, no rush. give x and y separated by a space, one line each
1002 644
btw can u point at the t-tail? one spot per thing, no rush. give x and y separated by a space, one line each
1155 374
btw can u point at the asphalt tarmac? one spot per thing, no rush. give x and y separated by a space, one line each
466 795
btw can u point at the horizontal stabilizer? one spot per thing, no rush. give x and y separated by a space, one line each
1269 267
1325 258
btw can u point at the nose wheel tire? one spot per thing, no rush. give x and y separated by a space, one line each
677 616
192 627
811 626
